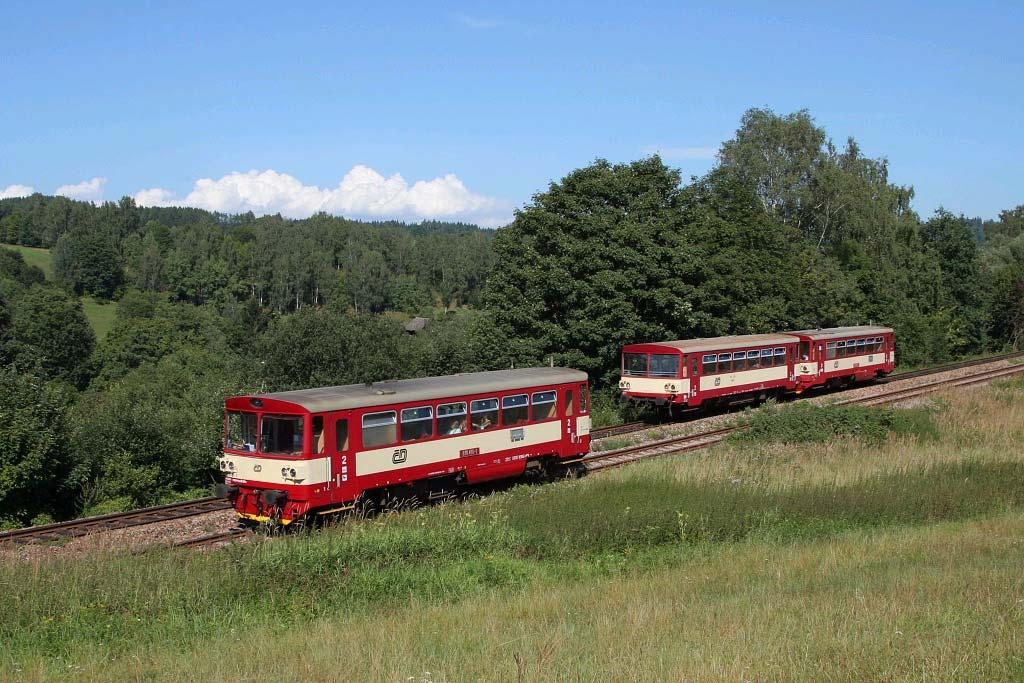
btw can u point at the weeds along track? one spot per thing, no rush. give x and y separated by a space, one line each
117 520
210 540
692 442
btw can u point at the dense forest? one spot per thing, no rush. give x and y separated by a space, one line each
788 230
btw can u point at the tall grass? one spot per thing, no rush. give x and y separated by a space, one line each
812 423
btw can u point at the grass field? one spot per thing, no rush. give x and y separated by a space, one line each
35 257
100 314
895 558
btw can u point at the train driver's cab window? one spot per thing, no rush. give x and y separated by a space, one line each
341 434
417 423
780 357
319 438
281 434
710 363
241 431
451 419
830 350
544 406
380 429
634 364
805 350
725 362
515 410
664 365
483 414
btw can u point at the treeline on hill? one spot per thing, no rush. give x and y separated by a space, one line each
787 231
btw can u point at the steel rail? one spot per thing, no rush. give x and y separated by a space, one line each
116 520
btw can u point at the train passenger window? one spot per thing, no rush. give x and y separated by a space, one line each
841 349
634 364
341 435
739 361
780 357
664 365
709 362
544 406
281 434
725 362
379 429
830 350
515 410
569 403
319 438
483 414
584 396
241 431
753 360
417 423
451 419
766 358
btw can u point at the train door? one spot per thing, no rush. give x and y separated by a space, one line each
694 375
569 414
342 465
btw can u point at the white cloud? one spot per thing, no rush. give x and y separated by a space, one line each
87 190
15 191
682 153
363 193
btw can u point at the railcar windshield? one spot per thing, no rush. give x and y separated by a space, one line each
664 364
282 434
634 364
241 431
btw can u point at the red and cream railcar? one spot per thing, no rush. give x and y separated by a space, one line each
692 372
836 355
293 454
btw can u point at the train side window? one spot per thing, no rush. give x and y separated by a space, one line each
841 349
766 358
569 402
417 423
380 429
483 414
780 356
451 419
753 360
725 362
584 397
830 351
710 363
341 435
805 350
739 361
515 410
543 406
319 438
693 367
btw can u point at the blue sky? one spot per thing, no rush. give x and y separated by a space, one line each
467 110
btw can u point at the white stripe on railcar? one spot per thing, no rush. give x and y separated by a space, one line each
267 470
743 378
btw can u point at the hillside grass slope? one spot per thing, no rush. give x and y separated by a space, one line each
892 558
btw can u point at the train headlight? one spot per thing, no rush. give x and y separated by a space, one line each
670 387
623 384
287 472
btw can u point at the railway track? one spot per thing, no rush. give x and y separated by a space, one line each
208 540
162 513
692 442
117 520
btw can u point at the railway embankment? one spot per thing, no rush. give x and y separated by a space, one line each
884 536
